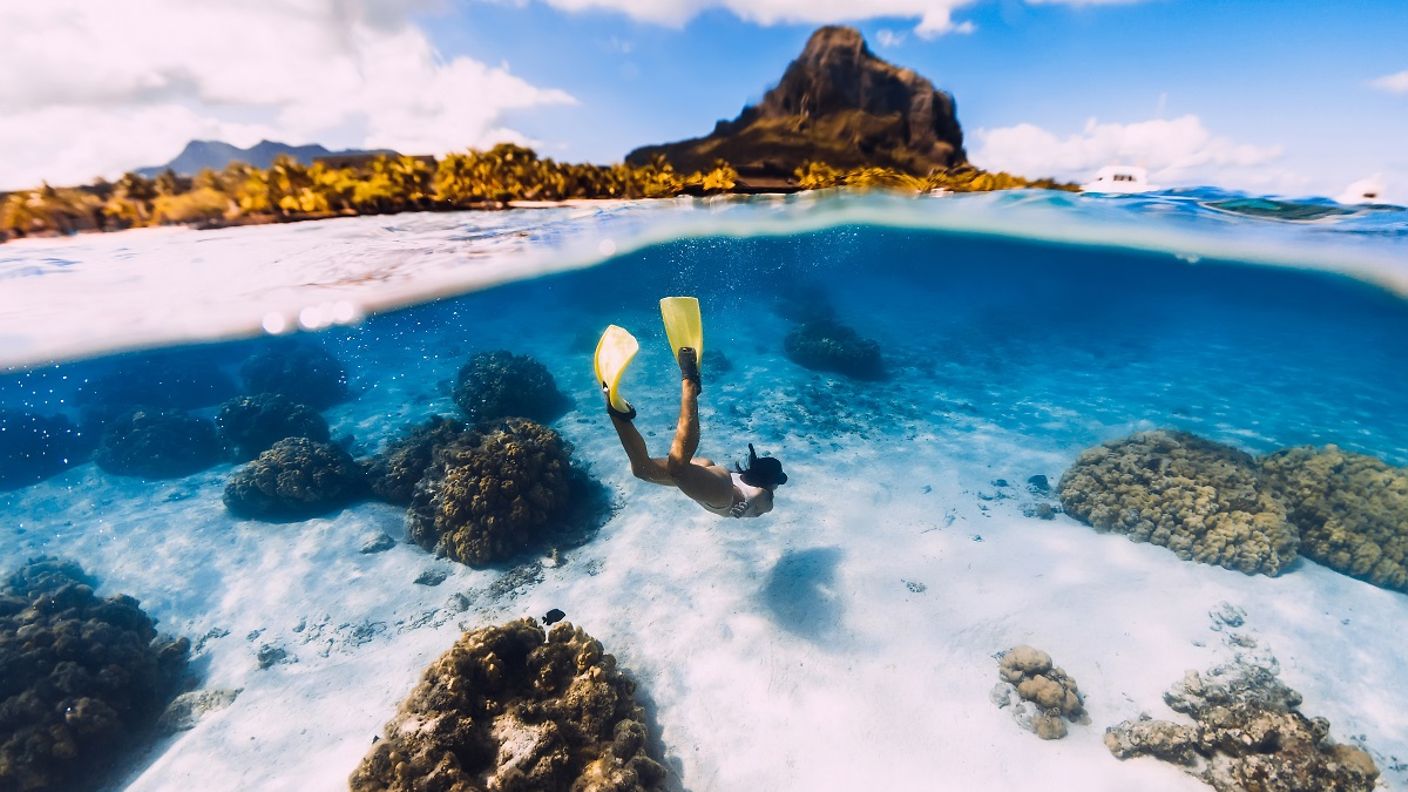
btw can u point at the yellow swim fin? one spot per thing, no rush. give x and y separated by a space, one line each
614 353
683 325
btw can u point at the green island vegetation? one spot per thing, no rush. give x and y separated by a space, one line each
288 190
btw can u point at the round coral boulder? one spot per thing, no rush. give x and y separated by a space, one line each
501 384
489 494
296 478
83 678
251 424
305 373
158 444
827 345
1042 696
35 447
1203 500
1351 509
395 472
172 379
510 708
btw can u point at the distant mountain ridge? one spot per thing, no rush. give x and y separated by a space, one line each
216 154
837 103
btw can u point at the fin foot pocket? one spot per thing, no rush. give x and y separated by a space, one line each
689 366
614 353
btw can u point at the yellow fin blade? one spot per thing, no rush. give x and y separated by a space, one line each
614 353
683 325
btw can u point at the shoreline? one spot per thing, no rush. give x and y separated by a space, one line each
306 217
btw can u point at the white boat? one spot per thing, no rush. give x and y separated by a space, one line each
1364 191
1119 179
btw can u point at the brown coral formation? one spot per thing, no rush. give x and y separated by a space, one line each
396 471
500 384
150 443
295 479
1351 509
1042 695
490 493
1202 500
509 708
81 677
1247 735
251 424
828 345
305 373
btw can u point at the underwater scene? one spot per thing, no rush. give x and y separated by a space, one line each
999 492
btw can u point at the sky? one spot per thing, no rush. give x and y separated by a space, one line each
1295 97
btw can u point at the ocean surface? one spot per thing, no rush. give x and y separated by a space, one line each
845 640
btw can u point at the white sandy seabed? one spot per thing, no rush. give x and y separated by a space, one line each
844 642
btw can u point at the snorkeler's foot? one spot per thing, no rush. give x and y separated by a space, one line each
689 366
630 413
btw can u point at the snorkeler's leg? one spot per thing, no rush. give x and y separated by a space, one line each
686 440
700 479
642 465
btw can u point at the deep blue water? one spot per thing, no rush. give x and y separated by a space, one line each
1049 340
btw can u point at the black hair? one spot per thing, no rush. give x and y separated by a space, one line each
765 472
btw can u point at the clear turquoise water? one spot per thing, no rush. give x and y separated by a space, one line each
1007 353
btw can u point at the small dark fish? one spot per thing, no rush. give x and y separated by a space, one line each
554 616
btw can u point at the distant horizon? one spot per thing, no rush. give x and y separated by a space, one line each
1299 103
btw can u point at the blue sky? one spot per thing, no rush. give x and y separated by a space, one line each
1295 74
1292 96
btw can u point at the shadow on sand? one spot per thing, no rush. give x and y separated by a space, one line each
800 594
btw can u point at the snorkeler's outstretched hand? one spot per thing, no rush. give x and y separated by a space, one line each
738 509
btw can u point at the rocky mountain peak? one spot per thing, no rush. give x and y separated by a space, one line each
837 103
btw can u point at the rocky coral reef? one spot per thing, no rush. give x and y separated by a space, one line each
510 708
1202 500
1247 735
500 384
251 424
1351 509
491 493
152 443
395 472
1042 696
826 345
174 378
295 479
34 447
83 677
305 373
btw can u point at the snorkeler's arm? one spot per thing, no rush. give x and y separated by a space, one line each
760 504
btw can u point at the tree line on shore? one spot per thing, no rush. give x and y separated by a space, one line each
386 184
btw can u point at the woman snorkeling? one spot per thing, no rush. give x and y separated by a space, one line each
744 492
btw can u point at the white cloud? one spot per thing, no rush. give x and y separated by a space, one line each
935 16
1177 151
1392 83
889 38
96 88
